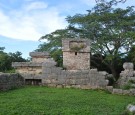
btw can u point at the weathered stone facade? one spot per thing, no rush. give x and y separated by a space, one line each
85 79
76 54
10 81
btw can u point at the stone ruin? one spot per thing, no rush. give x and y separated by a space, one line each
42 69
31 71
126 82
76 54
127 76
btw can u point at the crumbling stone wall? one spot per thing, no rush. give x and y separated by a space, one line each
126 76
126 82
85 79
10 81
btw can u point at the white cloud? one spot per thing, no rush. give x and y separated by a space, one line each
28 23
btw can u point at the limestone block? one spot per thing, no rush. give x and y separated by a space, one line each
109 88
132 91
93 71
59 86
103 73
128 66
84 81
68 86
56 70
102 83
34 64
47 81
101 77
78 81
39 54
117 91
37 76
16 64
47 71
52 85
76 86
126 92
86 87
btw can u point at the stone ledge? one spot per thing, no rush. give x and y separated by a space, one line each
39 54
26 64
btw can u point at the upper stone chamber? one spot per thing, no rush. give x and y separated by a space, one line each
76 54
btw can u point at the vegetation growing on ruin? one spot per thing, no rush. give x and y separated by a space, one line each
53 101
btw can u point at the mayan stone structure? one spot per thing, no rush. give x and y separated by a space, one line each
42 69
33 67
31 71
76 54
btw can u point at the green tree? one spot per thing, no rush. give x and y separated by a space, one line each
6 59
111 31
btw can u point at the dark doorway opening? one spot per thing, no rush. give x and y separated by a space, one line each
33 81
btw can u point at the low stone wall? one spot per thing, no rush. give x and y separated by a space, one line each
120 91
85 79
10 81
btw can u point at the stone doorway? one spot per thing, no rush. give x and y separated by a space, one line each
33 81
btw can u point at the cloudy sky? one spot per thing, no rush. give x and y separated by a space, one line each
23 22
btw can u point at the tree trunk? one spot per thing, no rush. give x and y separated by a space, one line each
114 72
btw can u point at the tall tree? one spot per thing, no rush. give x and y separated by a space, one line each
111 31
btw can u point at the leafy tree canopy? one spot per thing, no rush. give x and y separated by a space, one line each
111 31
6 59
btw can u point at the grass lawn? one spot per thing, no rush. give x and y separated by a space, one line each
36 100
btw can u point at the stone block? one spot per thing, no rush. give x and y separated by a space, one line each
68 86
34 64
132 91
117 91
128 66
93 71
103 73
84 81
85 87
47 81
126 92
76 86
39 54
62 81
78 81
109 88
59 86
52 85
47 71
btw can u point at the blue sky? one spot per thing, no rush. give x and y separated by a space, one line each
23 22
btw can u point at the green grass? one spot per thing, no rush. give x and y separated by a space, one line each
36 100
